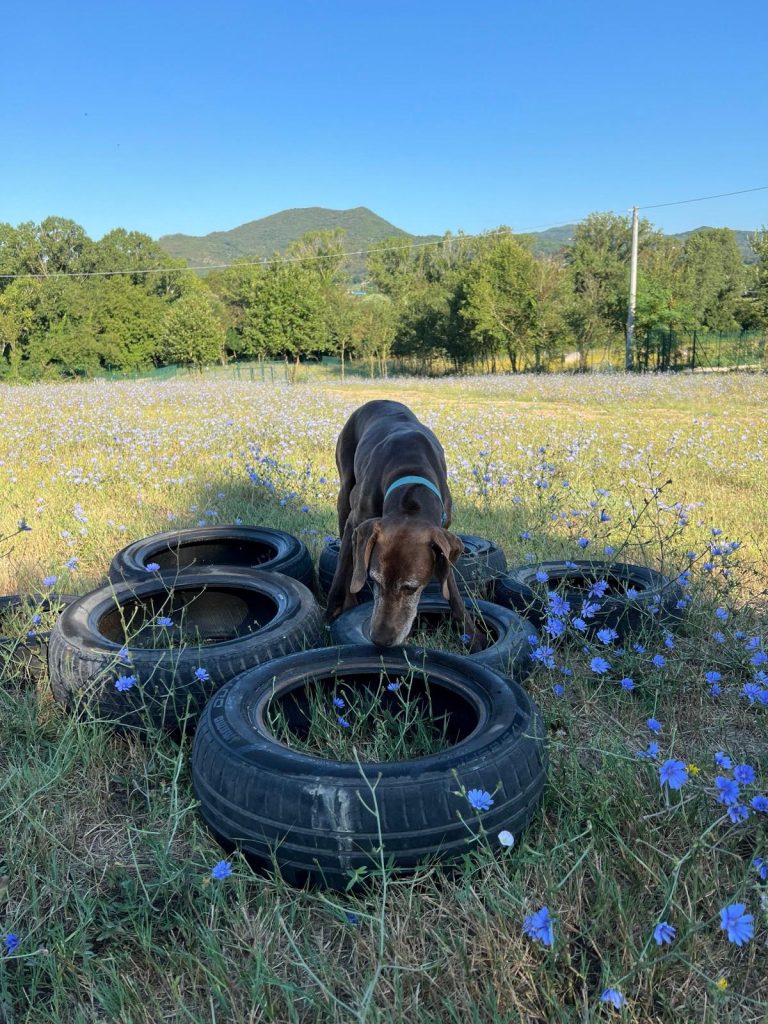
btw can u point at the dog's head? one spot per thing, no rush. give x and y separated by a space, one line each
401 558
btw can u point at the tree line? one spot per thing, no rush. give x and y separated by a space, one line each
479 302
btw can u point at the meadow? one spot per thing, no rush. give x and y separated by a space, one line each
110 907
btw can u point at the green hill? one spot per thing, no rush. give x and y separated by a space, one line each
551 241
273 234
262 238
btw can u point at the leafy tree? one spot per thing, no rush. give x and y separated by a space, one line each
56 336
714 273
123 250
321 256
16 322
322 253
391 267
424 326
237 289
760 280
126 321
341 311
664 310
55 246
191 333
501 303
374 330
286 315
18 251
549 331
290 307
598 259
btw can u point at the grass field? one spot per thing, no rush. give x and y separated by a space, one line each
108 908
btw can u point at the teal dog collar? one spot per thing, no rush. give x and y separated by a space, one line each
402 481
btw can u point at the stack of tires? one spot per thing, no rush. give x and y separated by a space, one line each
218 622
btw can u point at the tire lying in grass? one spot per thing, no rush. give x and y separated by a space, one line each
476 569
24 657
509 647
245 547
172 640
320 818
635 596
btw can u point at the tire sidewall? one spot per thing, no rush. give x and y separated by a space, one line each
517 589
500 706
291 556
510 654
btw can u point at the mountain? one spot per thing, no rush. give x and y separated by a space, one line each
551 241
273 234
262 238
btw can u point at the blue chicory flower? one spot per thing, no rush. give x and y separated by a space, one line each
613 997
744 773
728 790
664 933
673 773
479 799
738 925
539 926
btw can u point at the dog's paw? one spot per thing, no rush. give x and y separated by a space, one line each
478 642
475 639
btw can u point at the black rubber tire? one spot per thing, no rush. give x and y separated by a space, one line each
84 661
510 654
314 817
248 547
476 569
657 598
26 658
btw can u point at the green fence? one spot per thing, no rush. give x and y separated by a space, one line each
699 350
659 350
157 373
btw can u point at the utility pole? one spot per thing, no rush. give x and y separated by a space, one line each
628 352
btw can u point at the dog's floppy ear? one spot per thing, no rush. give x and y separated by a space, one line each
363 540
447 547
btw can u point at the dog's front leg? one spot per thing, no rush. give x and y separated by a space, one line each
459 611
339 596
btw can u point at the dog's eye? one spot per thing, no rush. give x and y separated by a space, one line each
407 589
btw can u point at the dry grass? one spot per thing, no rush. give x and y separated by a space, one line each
105 865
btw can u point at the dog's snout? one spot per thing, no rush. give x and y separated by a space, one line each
384 637
389 627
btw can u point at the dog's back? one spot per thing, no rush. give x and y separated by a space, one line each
390 434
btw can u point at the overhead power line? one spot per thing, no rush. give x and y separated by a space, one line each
265 262
701 199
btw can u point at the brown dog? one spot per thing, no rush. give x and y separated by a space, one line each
394 506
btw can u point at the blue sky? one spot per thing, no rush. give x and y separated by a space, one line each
193 117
